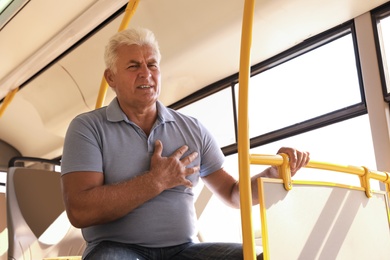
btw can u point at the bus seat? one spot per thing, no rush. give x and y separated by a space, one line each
3 228
35 211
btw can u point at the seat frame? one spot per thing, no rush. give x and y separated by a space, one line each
34 202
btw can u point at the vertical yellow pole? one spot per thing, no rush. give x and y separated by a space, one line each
130 10
243 135
7 100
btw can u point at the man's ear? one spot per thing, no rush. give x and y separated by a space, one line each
109 76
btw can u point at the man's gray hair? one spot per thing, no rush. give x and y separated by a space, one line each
138 36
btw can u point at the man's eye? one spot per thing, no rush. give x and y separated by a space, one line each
132 66
153 66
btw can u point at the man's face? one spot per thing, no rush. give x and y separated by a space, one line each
137 79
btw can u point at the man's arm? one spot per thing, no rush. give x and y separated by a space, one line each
226 187
89 201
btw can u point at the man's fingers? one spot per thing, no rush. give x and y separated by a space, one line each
298 159
188 159
158 147
180 152
293 159
302 160
188 184
305 158
192 170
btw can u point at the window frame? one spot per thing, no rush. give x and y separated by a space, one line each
377 14
322 120
305 126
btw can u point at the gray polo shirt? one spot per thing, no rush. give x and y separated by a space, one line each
105 140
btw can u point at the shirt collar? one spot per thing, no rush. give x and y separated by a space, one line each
115 114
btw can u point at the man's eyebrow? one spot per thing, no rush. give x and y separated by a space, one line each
134 61
152 61
139 62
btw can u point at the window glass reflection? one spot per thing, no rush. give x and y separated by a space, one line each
313 84
216 113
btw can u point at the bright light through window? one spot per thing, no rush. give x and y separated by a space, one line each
3 180
219 119
312 85
8 8
384 40
4 4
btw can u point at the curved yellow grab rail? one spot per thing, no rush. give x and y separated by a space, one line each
362 172
248 236
7 100
129 12
277 160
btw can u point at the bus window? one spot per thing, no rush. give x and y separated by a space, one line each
219 119
318 82
381 21
3 178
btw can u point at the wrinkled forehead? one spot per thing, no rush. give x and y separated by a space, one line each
140 52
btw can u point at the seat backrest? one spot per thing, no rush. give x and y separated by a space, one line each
3 228
34 207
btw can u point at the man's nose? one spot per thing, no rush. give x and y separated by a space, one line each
144 71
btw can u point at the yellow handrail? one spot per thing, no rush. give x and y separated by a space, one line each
243 135
281 161
362 172
7 100
129 12
277 160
